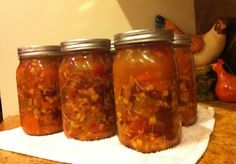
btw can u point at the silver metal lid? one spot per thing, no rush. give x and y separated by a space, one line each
38 50
143 35
85 44
112 48
182 40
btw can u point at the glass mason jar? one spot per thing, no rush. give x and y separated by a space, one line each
187 81
38 89
145 85
86 89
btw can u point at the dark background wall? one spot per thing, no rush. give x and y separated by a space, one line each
207 12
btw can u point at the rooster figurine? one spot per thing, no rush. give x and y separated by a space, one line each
225 88
206 48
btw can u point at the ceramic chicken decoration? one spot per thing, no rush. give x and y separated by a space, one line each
225 88
206 48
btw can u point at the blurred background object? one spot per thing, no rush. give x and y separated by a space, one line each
206 13
207 47
205 80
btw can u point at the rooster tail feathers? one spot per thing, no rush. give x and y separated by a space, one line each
160 22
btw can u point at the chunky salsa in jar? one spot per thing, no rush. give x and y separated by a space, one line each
145 85
86 89
187 82
38 89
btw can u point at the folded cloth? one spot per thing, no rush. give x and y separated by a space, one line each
57 147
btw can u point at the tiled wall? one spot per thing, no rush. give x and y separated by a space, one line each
25 22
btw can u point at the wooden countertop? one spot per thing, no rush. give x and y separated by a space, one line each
221 148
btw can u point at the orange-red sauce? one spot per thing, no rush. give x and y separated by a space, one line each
145 83
187 86
38 94
87 95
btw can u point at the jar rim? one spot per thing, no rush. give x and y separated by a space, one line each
143 35
38 50
112 48
182 39
85 44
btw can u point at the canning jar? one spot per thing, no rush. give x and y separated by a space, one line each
38 89
145 85
86 89
187 81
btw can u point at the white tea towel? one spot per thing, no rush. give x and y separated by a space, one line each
58 148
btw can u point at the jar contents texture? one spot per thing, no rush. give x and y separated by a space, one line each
38 95
145 83
187 86
87 95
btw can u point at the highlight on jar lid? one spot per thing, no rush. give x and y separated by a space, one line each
85 44
182 39
112 48
38 50
143 35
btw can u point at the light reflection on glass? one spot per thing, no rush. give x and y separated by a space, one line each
39 63
73 62
147 57
88 64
